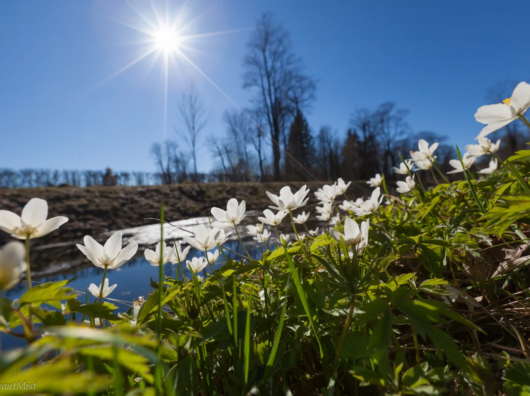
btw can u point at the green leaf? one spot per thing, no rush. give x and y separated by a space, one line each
132 361
94 310
55 377
47 292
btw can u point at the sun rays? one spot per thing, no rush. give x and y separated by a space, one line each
167 37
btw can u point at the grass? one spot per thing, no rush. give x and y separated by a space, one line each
431 306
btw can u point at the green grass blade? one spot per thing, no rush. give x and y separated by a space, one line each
303 298
277 337
247 341
234 308
471 186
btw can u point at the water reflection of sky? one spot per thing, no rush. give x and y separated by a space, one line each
133 280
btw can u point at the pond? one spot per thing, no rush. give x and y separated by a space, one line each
133 278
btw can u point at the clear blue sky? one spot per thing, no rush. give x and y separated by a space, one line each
435 58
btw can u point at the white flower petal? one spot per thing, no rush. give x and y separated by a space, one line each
125 255
113 245
9 221
495 113
49 226
35 212
219 214
520 99
95 248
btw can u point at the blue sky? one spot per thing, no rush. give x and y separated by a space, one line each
435 58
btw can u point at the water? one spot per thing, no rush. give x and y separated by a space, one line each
133 277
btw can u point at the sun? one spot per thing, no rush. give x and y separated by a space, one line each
166 39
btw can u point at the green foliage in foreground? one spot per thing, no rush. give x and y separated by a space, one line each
432 306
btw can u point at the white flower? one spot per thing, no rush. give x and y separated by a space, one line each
375 181
324 216
95 290
136 309
287 200
154 256
467 159
349 205
197 264
232 216
301 218
284 239
424 165
353 235
111 255
212 257
327 193
342 186
263 237
255 230
425 152
206 239
313 232
335 219
493 165
179 255
271 218
406 186
370 205
301 236
499 115
12 264
483 147
325 208
495 146
32 223
404 167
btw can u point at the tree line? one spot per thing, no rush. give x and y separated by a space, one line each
33 178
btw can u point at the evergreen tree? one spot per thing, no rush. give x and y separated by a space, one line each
300 159
351 161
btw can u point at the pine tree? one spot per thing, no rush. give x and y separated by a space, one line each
351 161
299 162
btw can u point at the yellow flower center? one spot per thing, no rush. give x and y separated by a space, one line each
507 101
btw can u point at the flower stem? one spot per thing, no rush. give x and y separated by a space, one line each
241 242
298 238
437 166
523 119
434 175
102 283
28 270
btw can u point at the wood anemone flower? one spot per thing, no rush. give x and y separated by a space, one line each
498 115
32 223
96 290
287 200
233 214
111 255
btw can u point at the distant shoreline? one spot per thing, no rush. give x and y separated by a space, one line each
98 210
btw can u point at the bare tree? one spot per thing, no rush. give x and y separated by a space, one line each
192 118
172 165
391 126
276 74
